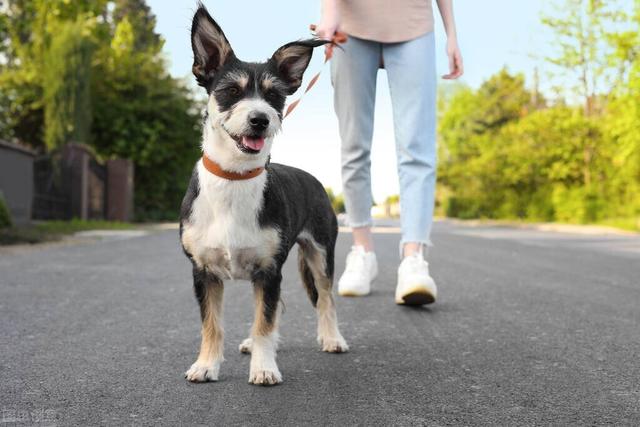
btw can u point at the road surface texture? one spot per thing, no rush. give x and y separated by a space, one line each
531 327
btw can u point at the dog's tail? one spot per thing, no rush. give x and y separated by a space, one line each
307 277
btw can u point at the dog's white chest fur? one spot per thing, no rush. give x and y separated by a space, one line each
222 233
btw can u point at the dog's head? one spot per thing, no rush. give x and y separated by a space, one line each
246 100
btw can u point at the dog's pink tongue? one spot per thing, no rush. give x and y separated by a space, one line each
253 143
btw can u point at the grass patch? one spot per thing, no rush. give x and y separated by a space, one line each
629 224
22 235
49 231
626 224
75 225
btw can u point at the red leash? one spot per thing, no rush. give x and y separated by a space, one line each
339 37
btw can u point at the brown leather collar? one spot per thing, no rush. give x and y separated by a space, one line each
215 169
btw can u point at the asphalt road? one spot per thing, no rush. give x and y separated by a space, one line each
530 328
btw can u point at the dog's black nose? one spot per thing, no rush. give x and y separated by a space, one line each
258 121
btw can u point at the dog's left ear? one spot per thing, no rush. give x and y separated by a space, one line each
292 60
211 49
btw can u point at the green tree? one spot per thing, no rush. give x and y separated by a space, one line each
506 153
541 166
66 75
21 106
583 30
142 21
147 116
622 123
27 32
92 71
468 129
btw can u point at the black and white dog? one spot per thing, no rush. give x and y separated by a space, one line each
241 215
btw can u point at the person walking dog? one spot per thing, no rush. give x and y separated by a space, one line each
398 36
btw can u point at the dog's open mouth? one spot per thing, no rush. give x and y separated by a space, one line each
251 144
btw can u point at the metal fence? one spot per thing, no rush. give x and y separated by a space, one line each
49 199
73 183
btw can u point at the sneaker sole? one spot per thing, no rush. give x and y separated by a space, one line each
417 296
351 294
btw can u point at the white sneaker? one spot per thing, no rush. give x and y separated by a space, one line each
361 269
415 285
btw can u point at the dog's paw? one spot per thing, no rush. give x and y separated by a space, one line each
245 346
200 373
333 344
265 377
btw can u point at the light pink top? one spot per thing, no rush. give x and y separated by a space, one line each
387 21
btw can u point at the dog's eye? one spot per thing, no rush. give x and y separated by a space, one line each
233 91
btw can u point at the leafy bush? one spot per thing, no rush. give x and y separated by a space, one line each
337 201
5 216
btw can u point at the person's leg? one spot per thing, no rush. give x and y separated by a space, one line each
353 71
412 83
362 237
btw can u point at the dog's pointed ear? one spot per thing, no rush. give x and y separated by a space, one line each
292 60
211 49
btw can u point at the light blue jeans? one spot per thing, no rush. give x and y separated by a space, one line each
411 73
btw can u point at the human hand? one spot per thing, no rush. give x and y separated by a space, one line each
329 21
456 68
326 29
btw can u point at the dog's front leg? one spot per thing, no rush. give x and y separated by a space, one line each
208 289
264 333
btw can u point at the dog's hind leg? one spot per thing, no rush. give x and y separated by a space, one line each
209 290
264 332
318 262
306 274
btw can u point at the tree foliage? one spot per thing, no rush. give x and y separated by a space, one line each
583 29
337 200
66 75
92 71
504 156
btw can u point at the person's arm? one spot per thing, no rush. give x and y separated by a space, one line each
329 20
456 68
